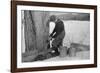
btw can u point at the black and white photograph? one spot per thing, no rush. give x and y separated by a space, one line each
51 36
55 36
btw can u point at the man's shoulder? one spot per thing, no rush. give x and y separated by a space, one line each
59 21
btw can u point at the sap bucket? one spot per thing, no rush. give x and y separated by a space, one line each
63 51
72 52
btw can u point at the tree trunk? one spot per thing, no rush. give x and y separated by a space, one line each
36 30
30 31
42 30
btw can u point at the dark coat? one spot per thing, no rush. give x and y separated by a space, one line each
59 27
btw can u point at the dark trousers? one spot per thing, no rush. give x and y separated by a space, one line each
58 41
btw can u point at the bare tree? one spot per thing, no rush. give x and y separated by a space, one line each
36 30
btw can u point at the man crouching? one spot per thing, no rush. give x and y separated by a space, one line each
58 34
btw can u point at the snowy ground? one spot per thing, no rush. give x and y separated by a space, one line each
83 55
77 32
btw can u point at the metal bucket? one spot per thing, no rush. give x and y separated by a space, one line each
63 51
72 52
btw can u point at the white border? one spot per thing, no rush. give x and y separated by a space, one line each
53 63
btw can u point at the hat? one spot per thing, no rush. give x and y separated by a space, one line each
52 18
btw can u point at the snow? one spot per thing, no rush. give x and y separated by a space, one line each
76 32
83 55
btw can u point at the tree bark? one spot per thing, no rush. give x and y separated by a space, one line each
42 30
36 30
30 32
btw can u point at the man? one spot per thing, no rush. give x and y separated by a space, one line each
57 34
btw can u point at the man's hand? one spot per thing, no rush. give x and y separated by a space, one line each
50 38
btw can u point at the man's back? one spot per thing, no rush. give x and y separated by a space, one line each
59 27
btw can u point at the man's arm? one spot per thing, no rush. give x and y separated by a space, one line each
58 28
52 34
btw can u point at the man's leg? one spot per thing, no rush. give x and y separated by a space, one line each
55 46
56 52
58 42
